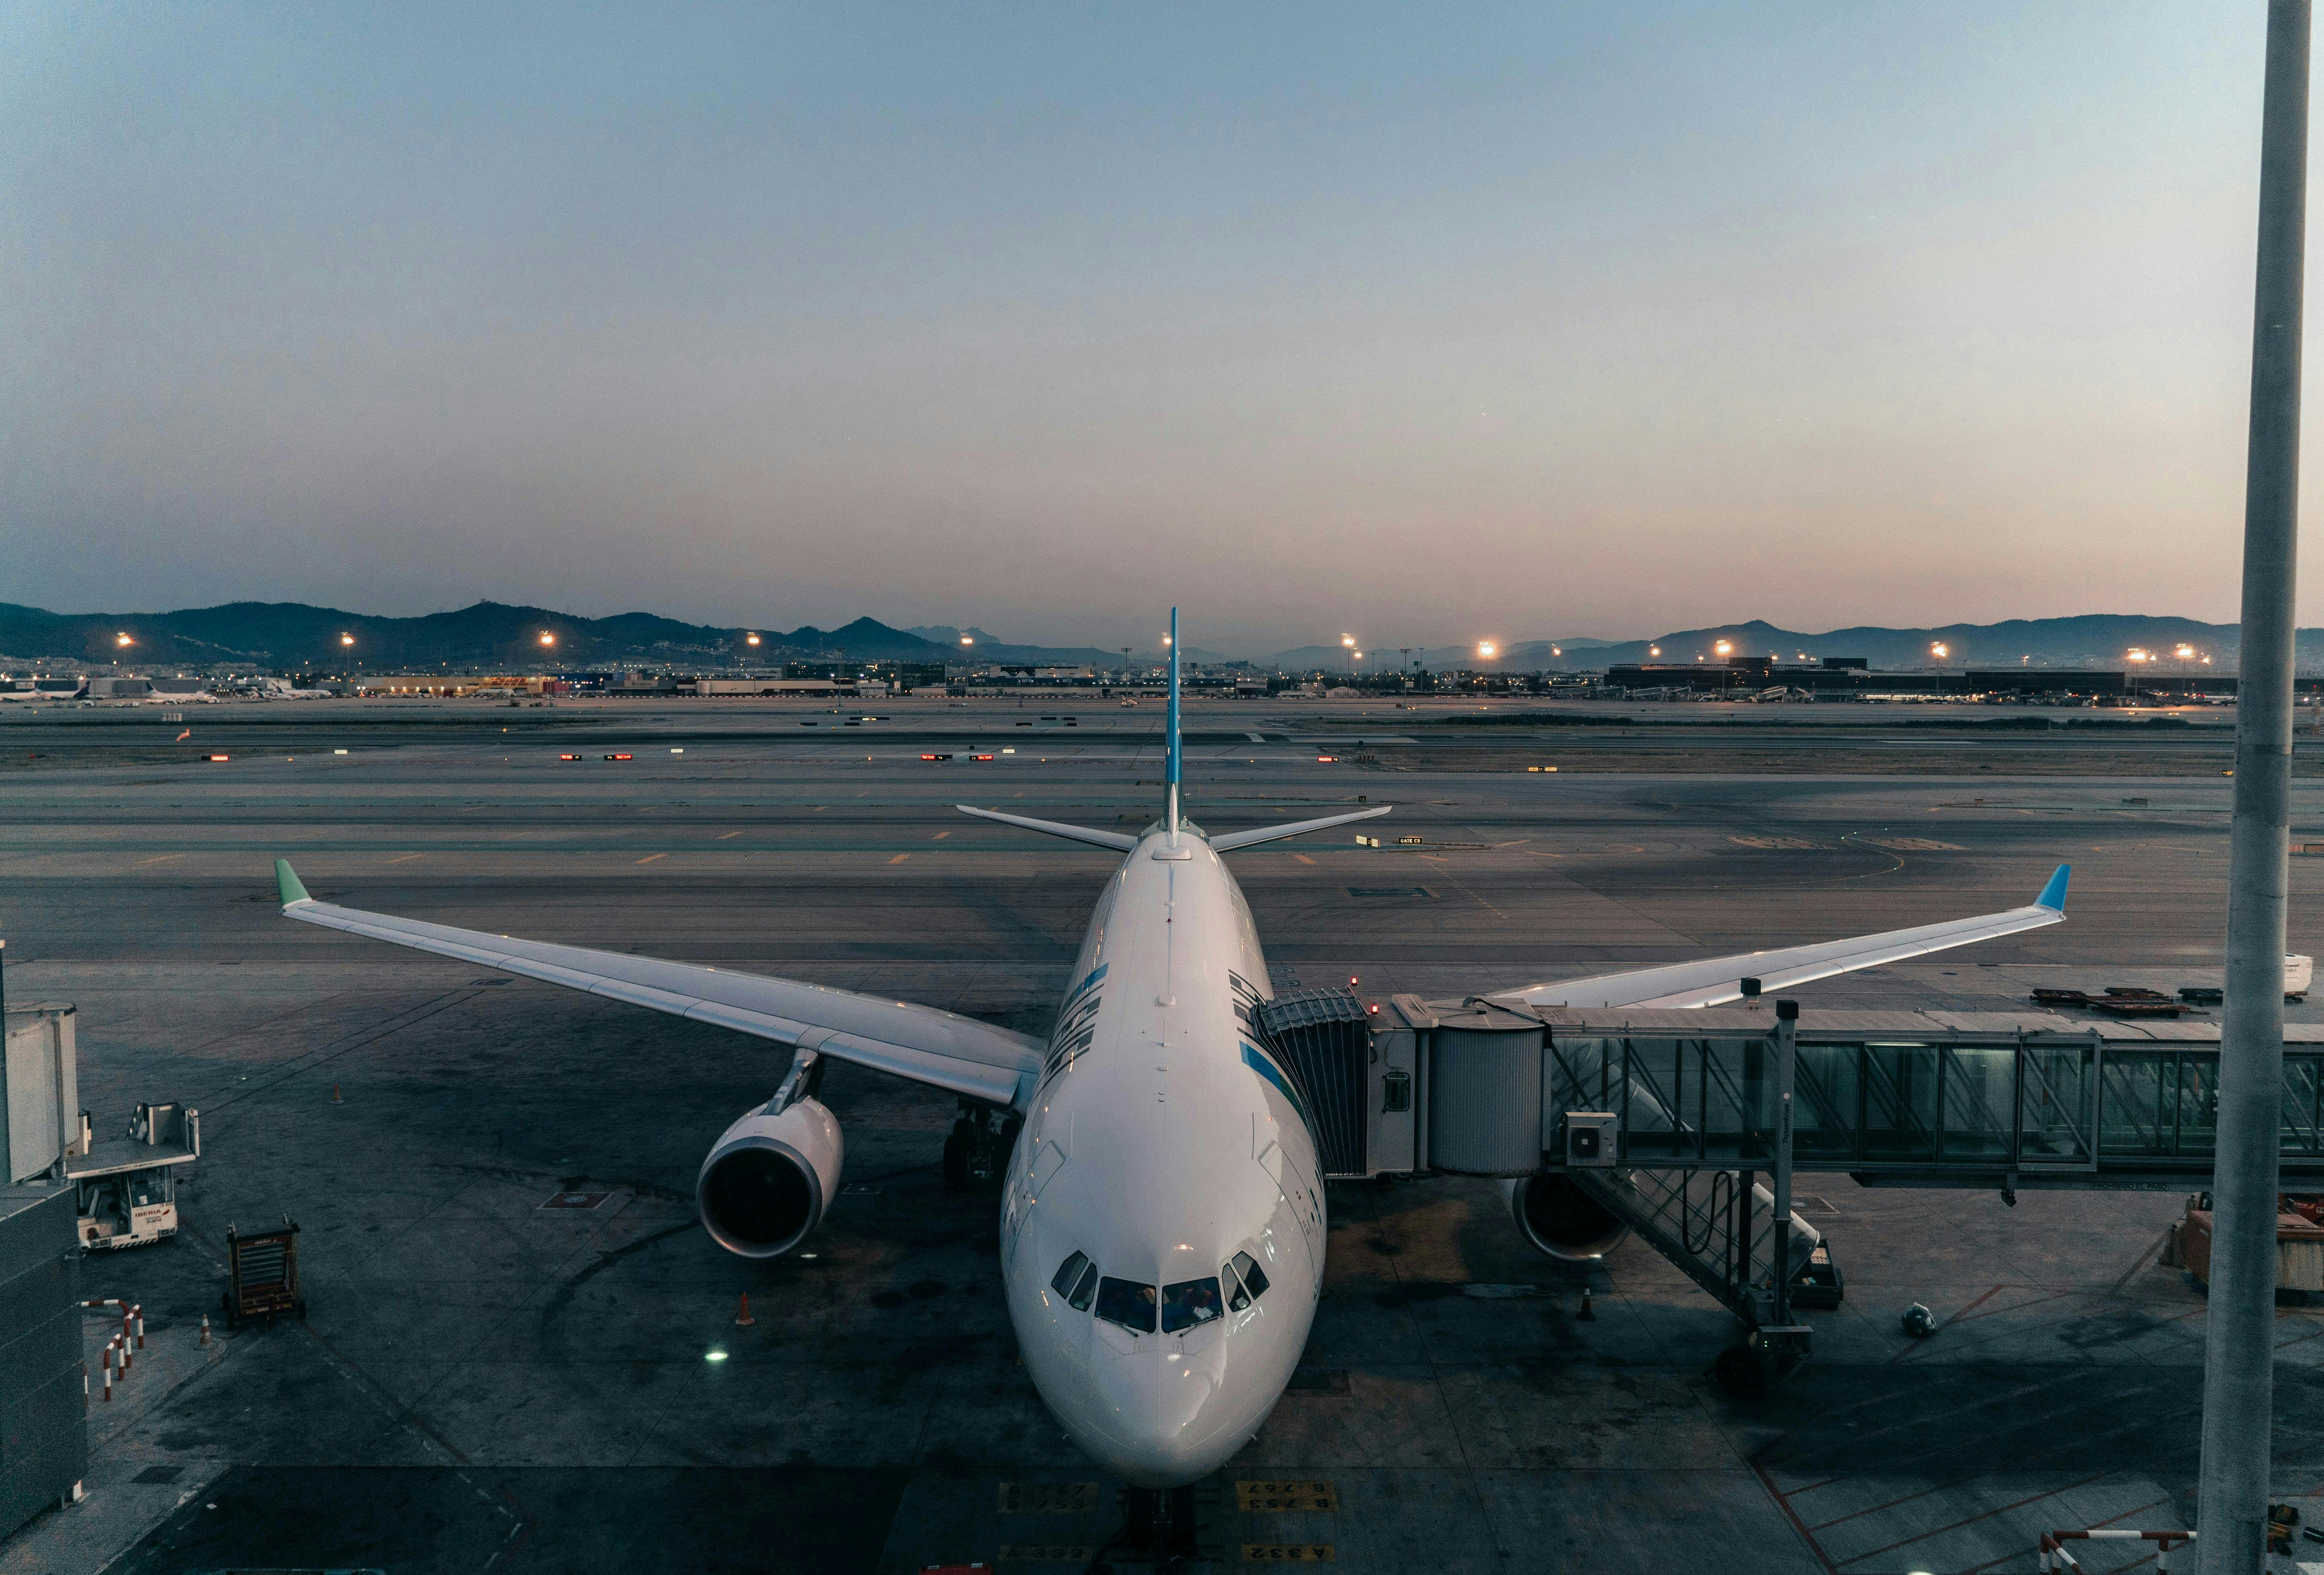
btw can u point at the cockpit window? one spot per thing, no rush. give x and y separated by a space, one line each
1076 1281
1254 1278
1126 1303
1189 1302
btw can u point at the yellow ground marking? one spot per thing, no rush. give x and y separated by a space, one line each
899 858
1281 1497
407 858
1303 857
649 858
939 836
162 859
723 835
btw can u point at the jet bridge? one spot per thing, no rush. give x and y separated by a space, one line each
1671 1121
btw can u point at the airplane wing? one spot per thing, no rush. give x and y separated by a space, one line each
958 1055
1718 980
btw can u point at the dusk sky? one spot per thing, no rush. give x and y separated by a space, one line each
1429 323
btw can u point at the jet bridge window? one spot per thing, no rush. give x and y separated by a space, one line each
1075 1281
1126 1303
1246 1281
1189 1302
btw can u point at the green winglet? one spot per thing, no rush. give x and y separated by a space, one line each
287 878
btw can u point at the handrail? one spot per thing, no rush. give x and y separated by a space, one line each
2057 1107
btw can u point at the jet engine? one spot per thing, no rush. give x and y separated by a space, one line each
767 1181
1571 1226
1560 1219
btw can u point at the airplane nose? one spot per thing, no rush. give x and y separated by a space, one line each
1165 1418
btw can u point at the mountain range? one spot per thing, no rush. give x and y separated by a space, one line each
291 636
2092 640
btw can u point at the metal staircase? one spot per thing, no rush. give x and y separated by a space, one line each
1721 1233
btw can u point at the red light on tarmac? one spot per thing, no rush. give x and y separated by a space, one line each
221 757
1326 759
983 757
568 757
620 757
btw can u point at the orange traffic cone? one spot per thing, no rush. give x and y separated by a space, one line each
744 1316
335 1095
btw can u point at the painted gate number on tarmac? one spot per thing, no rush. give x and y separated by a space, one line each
1287 1497
1289 1554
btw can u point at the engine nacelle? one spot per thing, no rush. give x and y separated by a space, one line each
1572 1227
1560 1219
767 1181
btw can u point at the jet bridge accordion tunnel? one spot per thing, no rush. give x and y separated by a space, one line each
1670 1124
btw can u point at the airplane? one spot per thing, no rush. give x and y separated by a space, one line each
1163 1214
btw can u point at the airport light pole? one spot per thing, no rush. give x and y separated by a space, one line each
2239 1349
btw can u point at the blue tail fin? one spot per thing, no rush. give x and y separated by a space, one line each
1172 760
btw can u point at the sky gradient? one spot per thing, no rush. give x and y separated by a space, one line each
1536 321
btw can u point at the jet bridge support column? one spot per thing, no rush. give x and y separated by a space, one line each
1787 1043
1782 1343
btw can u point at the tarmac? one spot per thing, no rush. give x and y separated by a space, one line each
486 1382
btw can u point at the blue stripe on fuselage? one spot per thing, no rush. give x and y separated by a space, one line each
1258 1062
1095 974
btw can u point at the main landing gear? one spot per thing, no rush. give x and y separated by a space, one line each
976 1153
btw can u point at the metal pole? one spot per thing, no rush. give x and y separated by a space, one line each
2239 1377
1787 1025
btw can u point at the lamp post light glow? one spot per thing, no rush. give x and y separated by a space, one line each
749 640
546 638
1723 646
1654 650
1486 650
122 640
347 639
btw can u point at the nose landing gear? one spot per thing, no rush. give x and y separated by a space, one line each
1157 1528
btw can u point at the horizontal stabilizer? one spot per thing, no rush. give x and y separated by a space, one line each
1229 842
1055 828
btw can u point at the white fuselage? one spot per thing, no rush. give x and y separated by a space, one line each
1159 1146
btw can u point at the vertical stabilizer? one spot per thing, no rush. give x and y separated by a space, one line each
1171 757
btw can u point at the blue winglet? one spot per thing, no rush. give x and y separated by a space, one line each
2054 896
